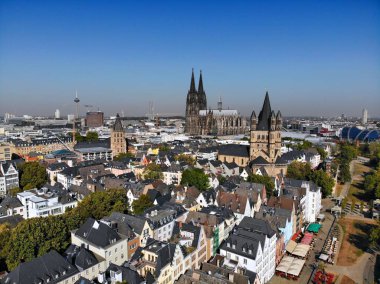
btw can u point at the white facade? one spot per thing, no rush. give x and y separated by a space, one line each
263 263
171 177
67 180
8 178
39 204
312 203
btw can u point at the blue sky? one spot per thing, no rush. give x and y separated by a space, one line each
314 57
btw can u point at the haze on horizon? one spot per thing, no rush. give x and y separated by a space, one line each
315 58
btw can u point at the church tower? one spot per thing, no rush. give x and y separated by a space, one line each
196 101
266 133
118 139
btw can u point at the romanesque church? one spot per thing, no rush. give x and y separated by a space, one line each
264 152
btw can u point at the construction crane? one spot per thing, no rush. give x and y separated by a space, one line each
88 107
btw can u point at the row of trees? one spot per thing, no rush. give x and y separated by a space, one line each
372 183
347 154
303 171
91 136
34 237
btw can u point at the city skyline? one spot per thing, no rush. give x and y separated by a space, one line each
315 59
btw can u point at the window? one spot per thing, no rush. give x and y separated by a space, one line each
245 261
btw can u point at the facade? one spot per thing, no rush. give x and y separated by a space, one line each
95 153
118 138
42 203
253 246
94 119
5 153
365 116
102 240
8 177
43 146
203 121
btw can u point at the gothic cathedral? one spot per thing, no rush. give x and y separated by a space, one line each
203 121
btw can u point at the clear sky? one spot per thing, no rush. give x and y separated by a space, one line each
314 57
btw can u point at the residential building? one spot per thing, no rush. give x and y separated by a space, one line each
9 177
253 246
102 240
44 202
5 153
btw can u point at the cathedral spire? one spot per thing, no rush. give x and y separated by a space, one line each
192 84
200 85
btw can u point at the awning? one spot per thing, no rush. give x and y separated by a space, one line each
301 250
314 227
291 265
307 238
297 249
291 246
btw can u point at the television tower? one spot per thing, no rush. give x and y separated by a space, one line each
76 101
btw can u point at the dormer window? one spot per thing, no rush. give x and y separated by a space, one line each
234 246
228 245
244 250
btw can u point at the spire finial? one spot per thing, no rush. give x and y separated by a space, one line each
192 83
200 84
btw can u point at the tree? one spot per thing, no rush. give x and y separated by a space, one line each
35 237
92 136
304 145
164 148
322 153
185 158
372 183
123 156
195 177
298 170
344 172
266 180
98 205
79 138
322 179
303 171
152 171
374 236
348 152
32 175
14 191
141 204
